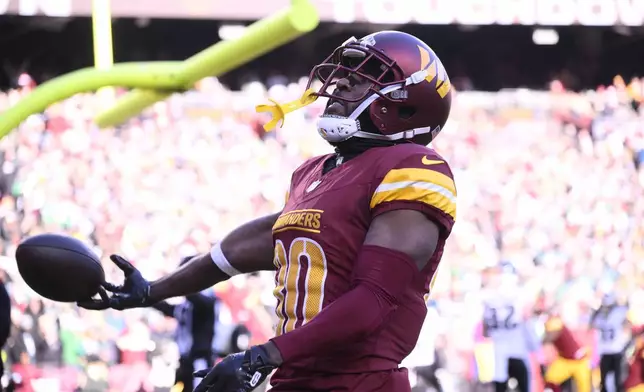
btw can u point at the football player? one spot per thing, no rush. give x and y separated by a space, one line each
197 319
610 321
514 338
635 378
572 361
361 234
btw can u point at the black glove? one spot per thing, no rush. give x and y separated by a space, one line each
134 293
240 372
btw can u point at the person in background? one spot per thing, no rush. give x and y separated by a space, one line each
5 321
610 321
572 361
196 317
513 337
95 378
635 377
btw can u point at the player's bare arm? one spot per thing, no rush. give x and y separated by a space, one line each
407 231
248 248
398 245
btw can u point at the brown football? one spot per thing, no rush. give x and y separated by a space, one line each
59 267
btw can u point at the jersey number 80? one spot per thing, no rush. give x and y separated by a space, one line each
299 282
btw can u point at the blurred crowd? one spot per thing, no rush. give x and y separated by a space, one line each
550 183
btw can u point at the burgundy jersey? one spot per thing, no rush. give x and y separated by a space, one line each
318 238
636 366
565 343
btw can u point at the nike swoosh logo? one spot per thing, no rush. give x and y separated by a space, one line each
430 162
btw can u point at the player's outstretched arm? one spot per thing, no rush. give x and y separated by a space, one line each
248 248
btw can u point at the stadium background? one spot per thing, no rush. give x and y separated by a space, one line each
546 142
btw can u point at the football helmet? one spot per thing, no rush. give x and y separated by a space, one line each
409 95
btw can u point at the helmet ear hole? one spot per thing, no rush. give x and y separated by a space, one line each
406 112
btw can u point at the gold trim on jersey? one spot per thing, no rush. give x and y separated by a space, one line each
422 185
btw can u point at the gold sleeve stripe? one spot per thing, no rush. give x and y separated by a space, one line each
420 185
420 175
426 193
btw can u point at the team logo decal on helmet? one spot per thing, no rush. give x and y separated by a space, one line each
435 69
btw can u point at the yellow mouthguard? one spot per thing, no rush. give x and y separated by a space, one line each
279 111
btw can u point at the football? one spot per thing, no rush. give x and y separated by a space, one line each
59 267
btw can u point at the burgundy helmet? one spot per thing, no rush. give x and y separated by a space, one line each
409 97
